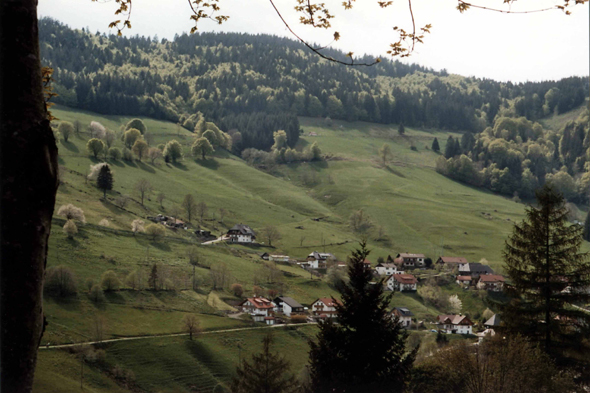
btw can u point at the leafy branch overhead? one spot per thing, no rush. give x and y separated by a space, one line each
318 15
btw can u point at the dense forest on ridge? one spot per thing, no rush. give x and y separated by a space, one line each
235 79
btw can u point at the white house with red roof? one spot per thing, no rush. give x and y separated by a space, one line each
325 307
464 280
401 282
491 282
458 324
257 306
405 259
387 269
452 262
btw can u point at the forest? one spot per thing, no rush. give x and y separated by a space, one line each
259 84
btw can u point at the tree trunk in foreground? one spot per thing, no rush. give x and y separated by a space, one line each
29 183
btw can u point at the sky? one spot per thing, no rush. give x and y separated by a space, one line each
506 47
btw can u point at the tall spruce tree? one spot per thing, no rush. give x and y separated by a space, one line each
267 373
450 147
365 351
435 145
548 277
105 181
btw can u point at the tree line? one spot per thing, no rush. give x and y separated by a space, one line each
225 75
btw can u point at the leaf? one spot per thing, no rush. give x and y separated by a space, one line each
336 36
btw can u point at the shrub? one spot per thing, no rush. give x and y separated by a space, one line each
237 289
298 319
89 284
173 151
95 147
127 155
104 223
155 231
61 281
70 229
110 281
66 129
71 212
137 226
138 124
115 153
96 294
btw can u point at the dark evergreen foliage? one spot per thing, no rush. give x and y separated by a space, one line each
105 180
549 276
365 351
267 373
401 129
233 73
435 145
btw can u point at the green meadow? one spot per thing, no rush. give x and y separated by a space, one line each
417 209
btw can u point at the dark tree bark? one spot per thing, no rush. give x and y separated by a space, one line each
29 184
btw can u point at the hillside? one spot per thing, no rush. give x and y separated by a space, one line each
418 210
226 75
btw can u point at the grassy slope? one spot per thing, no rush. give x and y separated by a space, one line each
419 209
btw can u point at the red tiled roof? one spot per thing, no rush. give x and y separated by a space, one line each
259 302
491 278
464 278
453 260
367 261
328 301
404 278
454 319
408 255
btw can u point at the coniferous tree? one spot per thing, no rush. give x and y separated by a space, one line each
267 373
435 145
365 351
105 181
401 129
153 279
548 276
450 147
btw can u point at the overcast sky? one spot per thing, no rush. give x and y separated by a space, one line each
516 47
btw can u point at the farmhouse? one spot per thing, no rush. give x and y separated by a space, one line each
278 258
491 282
387 269
241 233
401 282
367 264
287 305
409 260
316 260
458 324
404 315
464 280
451 262
325 306
475 269
257 306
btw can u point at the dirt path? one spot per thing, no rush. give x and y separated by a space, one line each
112 340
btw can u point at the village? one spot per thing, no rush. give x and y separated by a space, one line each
396 274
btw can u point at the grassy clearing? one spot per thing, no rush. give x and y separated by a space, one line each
172 364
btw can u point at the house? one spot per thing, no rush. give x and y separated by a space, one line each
493 322
278 258
475 269
464 280
367 264
404 315
270 320
287 305
318 259
257 307
401 282
409 260
264 256
241 233
491 282
325 306
456 324
387 269
451 262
